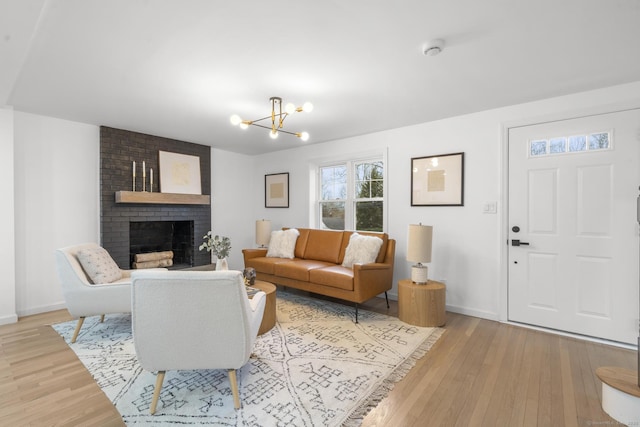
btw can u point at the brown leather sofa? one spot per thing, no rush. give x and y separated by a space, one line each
317 267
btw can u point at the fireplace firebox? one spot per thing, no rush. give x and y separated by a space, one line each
159 236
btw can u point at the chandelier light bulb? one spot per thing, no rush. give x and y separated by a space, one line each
290 108
244 125
307 107
273 134
235 120
304 136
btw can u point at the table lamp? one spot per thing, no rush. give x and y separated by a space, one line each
263 232
419 251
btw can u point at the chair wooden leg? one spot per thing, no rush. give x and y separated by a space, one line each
156 392
102 318
233 379
77 331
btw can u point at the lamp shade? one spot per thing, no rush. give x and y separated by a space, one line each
263 232
419 243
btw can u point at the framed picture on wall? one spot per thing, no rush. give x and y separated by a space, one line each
179 173
437 180
276 190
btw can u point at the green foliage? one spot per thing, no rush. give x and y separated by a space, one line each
220 246
369 213
369 216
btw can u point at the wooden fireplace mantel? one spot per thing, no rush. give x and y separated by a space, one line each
162 198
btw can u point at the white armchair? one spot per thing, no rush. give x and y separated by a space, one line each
184 320
84 298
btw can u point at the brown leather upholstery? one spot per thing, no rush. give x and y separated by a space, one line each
324 245
336 276
317 266
299 269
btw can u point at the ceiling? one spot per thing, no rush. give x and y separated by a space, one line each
180 69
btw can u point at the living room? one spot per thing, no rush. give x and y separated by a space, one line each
50 169
53 155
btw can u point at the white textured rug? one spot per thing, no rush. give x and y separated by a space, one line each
316 367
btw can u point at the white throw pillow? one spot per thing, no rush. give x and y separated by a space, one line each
283 243
99 265
361 250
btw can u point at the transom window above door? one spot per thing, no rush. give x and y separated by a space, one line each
570 144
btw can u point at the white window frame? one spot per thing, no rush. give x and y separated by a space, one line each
350 201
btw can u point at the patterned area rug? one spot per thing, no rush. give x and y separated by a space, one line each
316 367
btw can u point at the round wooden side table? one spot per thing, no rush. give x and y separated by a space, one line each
421 305
269 317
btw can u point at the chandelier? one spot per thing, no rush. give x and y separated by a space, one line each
277 118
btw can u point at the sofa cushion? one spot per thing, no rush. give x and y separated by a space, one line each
298 270
361 250
323 245
335 276
301 244
383 249
99 265
283 243
264 264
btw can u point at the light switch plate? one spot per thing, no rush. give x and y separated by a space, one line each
490 207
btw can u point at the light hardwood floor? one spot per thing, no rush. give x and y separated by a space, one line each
479 373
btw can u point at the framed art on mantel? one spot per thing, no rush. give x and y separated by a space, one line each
437 180
276 190
179 173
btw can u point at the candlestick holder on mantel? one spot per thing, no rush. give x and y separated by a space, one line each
144 178
144 189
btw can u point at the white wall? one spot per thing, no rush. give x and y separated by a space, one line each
233 194
467 244
7 230
57 202
57 197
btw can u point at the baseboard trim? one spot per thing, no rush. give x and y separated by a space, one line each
42 309
473 312
6 320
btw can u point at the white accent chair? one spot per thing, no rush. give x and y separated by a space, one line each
184 320
84 298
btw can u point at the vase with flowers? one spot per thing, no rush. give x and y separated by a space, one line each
220 246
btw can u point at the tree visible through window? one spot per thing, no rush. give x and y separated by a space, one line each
352 196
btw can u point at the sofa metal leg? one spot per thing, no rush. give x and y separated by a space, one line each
387 298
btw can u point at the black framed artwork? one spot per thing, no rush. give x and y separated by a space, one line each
437 180
276 190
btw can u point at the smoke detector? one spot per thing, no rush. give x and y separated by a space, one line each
433 47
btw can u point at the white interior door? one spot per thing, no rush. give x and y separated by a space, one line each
572 206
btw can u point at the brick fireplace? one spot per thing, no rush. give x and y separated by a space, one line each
118 149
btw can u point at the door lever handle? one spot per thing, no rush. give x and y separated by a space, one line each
516 242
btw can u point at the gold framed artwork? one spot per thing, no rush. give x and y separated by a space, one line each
437 180
276 190
179 173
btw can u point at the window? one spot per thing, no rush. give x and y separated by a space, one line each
351 196
571 144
